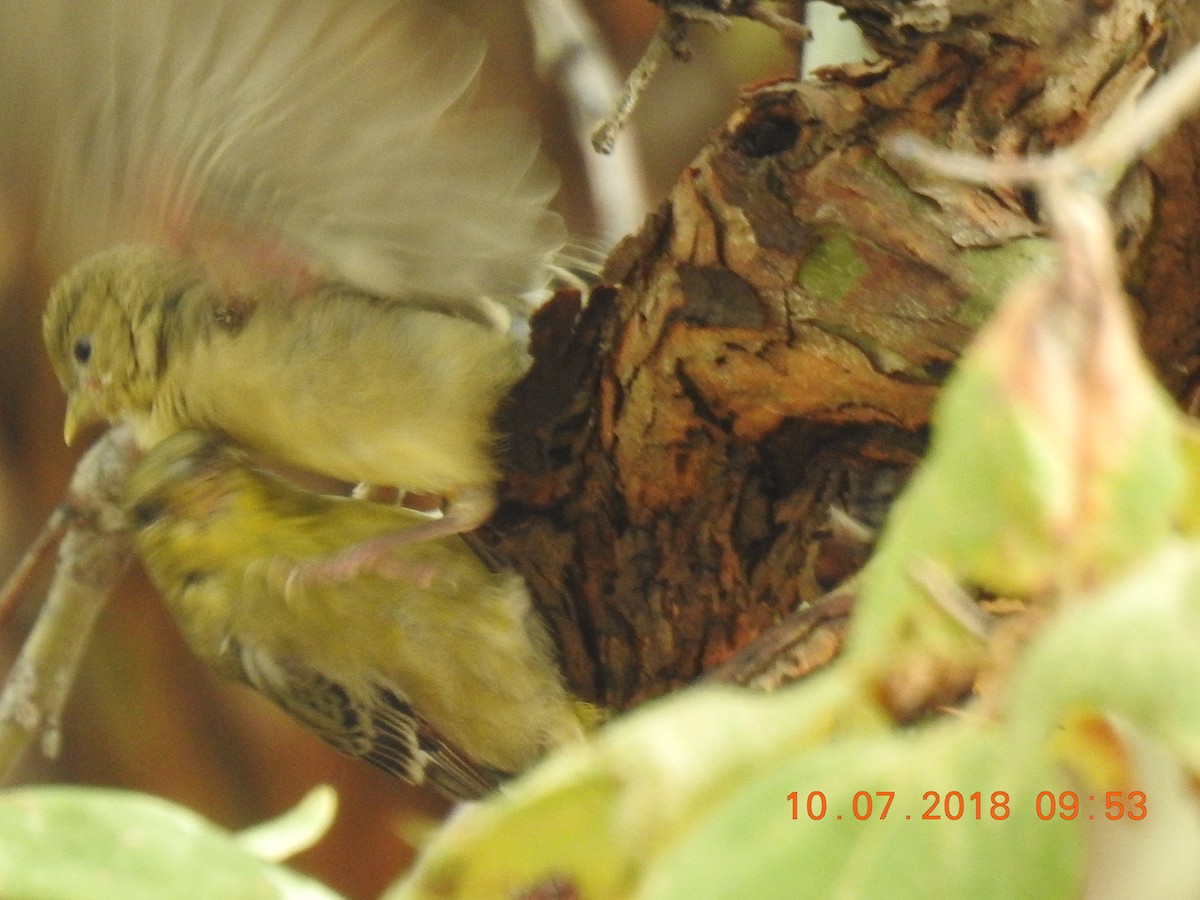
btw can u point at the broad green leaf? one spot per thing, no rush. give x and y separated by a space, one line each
78 843
594 814
1132 648
962 823
1056 461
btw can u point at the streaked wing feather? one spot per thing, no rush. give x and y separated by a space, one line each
374 723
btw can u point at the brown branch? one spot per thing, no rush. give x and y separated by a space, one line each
604 138
793 649
672 35
92 556
17 586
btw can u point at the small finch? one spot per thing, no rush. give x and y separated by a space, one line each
452 683
339 250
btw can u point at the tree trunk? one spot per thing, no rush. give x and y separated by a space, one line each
768 347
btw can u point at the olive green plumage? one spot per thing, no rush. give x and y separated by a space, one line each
335 380
338 243
448 679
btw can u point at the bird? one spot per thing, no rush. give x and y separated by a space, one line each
349 385
453 683
333 257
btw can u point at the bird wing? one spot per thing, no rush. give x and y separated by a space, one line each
369 720
286 137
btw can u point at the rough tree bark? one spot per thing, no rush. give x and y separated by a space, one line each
773 338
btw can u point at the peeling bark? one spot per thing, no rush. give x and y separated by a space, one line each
776 333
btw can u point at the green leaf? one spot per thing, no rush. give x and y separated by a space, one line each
592 815
986 840
296 830
1130 648
78 843
1056 461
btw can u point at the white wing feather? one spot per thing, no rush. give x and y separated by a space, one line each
337 132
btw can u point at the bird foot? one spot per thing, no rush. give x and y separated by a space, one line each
294 577
378 555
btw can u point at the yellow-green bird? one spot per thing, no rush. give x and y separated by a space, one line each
339 244
451 681
335 380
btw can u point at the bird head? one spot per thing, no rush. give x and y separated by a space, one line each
104 331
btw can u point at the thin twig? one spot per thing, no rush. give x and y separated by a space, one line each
943 590
605 135
698 12
795 33
793 648
1137 127
92 556
17 586
570 48
671 34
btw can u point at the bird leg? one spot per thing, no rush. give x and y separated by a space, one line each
465 511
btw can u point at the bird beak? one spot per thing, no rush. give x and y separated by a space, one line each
81 413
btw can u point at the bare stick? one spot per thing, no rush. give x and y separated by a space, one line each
93 554
671 34
943 590
790 650
795 33
605 135
18 582
570 48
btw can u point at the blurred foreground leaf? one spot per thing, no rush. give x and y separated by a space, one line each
78 843
296 830
960 822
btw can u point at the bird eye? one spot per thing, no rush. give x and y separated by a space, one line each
146 513
83 349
